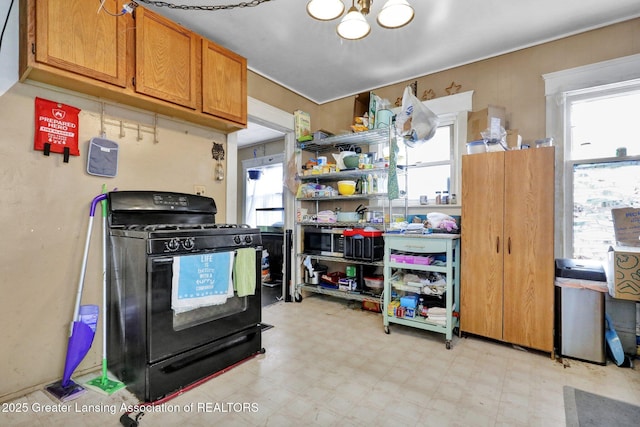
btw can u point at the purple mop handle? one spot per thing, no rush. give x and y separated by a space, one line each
95 202
76 309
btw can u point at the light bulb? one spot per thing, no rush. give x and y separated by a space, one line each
395 14
353 26
325 10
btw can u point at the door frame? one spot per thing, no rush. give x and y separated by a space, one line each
280 120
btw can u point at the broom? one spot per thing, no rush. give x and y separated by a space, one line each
103 384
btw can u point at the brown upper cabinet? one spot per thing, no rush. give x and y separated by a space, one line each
166 59
224 83
65 29
145 61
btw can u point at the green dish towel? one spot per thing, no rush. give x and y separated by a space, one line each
392 185
244 272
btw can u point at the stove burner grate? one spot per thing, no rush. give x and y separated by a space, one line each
184 227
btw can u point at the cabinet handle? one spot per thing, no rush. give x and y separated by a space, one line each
413 247
497 244
509 245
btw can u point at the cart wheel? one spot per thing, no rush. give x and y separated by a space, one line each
262 350
447 344
386 330
297 297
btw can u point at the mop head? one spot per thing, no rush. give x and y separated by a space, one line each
64 394
105 385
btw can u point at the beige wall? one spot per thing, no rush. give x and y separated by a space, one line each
274 94
513 80
44 215
45 203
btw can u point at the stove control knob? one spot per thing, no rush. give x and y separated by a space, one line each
172 245
188 243
248 239
237 240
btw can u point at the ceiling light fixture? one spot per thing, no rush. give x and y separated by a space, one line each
395 14
354 26
325 10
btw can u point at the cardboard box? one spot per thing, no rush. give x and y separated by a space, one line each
626 225
302 126
512 139
393 305
361 104
346 284
366 103
371 306
409 301
481 120
623 272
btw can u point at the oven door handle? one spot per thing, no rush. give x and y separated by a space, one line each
157 262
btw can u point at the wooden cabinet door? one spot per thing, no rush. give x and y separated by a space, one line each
529 259
72 36
481 292
224 83
166 59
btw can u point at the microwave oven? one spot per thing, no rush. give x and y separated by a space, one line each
324 241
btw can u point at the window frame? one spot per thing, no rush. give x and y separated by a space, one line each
259 162
570 98
559 85
451 110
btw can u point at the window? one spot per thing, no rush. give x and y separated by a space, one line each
599 186
581 86
263 201
602 140
435 163
602 121
431 165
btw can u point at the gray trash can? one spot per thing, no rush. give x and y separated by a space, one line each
581 286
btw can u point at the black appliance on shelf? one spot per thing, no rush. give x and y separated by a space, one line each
324 241
152 347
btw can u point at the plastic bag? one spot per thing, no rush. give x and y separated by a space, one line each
416 123
441 221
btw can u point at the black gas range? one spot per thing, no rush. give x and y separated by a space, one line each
185 238
156 346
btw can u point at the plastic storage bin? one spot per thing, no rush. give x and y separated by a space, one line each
363 245
475 147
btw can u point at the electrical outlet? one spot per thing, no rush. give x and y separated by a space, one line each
199 190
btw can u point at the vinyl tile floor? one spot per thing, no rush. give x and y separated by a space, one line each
329 363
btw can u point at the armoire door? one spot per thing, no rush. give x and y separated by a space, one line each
481 292
528 257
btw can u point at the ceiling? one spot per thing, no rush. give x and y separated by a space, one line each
257 134
284 44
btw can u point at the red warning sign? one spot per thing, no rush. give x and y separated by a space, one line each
56 127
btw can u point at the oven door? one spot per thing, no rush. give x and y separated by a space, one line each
171 333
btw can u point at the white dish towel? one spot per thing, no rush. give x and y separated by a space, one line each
201 280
